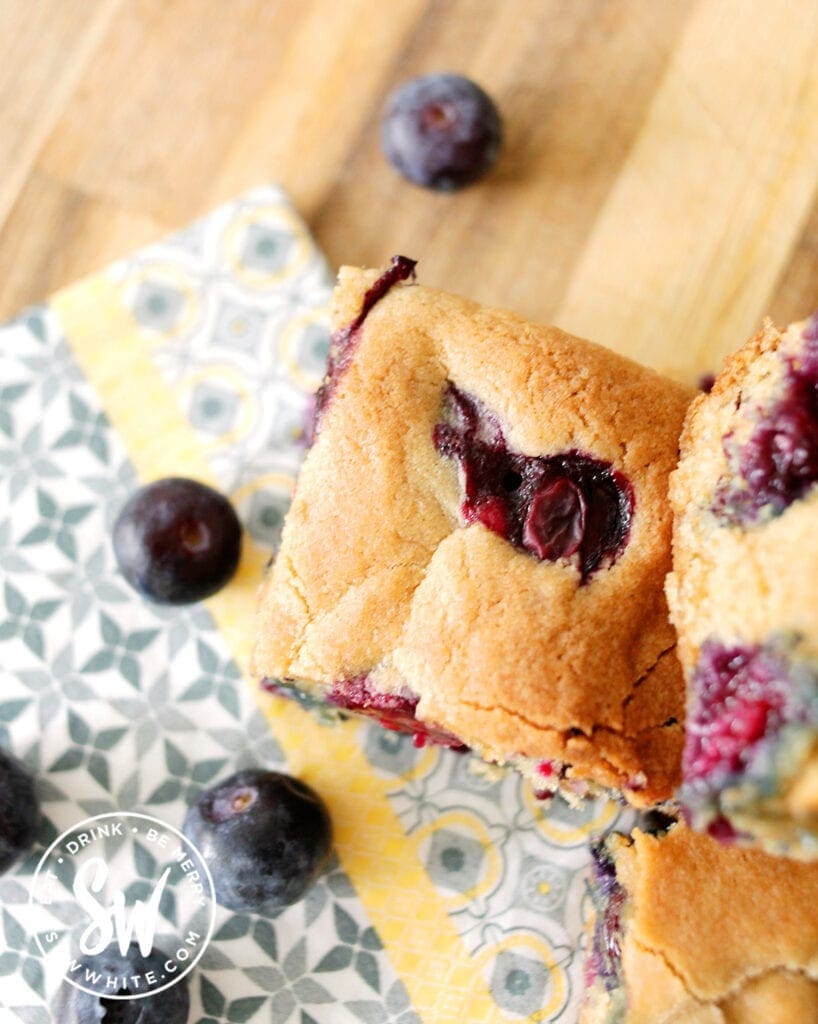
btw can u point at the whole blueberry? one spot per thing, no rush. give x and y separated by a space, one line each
19 810
441 131
177 541
110 973
265 837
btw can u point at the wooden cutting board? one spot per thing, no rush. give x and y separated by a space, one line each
656 193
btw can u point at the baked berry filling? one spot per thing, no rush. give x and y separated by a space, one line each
395 711
568 505
720 828
740 698
344 341
604 960
744 696
778 464
552 774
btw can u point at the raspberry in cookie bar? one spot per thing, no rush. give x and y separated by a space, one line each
688 930
477 545
744 598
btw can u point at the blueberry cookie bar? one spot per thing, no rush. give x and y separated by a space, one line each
744 595
686 930
477 545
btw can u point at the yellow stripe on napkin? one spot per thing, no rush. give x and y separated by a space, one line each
443 982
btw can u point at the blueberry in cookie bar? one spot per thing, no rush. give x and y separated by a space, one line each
478 541
687 930
554 506
743 595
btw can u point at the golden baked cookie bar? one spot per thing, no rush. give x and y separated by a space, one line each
477 545
744 595
686 930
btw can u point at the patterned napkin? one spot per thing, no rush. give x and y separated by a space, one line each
454 895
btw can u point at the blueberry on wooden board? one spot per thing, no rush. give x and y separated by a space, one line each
441 131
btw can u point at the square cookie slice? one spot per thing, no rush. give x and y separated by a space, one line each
744 595
478 541
686 930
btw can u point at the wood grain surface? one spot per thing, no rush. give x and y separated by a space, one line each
657 191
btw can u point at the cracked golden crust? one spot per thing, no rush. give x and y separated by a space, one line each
377 575
714 934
